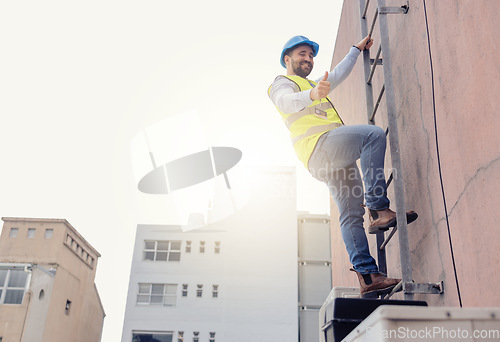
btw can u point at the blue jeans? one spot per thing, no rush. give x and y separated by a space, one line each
333 162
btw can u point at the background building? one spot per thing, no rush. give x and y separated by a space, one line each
47 290
234 280
446 79
315 271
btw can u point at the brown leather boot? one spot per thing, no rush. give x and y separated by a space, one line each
382 220
375 283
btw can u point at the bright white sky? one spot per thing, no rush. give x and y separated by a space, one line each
80 79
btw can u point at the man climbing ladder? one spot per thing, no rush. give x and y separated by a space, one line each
329 149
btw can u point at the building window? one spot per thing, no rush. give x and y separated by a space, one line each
199 291
157 294
184 290
13 285
188 246
13 232
31 233
212 337
217 247
148 336
162 250
215 291
196 336
180 337
49 233
202 246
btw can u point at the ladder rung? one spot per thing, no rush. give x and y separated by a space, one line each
397 288
386 241
378 103
373 23
366 9
389 181
381 257
369 81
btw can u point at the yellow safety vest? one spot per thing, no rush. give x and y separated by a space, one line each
307 125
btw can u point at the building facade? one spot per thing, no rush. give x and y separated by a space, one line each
47 290
446 77
314 271
234 280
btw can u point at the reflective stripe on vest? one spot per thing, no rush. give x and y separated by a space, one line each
307 125
324 106
315 130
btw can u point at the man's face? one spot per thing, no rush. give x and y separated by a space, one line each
300 62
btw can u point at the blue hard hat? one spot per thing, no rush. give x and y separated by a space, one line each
298 40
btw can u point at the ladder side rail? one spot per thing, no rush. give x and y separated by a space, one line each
366 62
404 248
363 6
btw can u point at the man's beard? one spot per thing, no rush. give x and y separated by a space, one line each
299 71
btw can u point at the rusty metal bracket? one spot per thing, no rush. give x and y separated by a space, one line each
395 10
423 288
420 288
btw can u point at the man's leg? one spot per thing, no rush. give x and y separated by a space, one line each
334 162
346 188
372 158
372 165
367 143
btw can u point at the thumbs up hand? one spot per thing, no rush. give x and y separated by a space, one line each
321 90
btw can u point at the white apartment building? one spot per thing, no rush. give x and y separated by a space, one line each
314 272
231 281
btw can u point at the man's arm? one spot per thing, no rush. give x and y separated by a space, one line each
332 79
343 69
286 96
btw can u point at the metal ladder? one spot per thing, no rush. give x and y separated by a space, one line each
407 285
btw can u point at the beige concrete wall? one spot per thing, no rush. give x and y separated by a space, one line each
12 319
466 82
75 262
85 317
40 294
